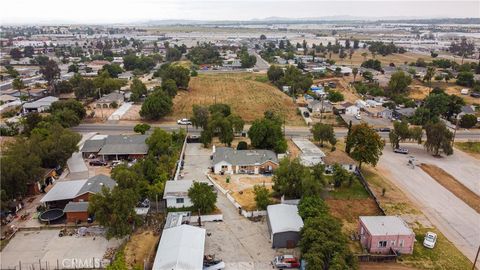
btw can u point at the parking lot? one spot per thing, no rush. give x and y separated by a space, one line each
45 247
240 243
457 221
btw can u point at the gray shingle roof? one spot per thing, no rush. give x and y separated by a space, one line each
124 145
76 207
92 146
243 157
95 184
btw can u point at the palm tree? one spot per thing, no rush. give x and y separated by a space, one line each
354 72
429 75
364 54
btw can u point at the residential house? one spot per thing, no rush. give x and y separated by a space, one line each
40 105
311 155
284 225
362 104
315 107
341 158
346 71
346 108
115 147
467 109
227 160
176 193
73 196
352 110
403 113
110 100
379 112
382 234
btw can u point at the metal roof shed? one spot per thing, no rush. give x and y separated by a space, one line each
180 248
284 224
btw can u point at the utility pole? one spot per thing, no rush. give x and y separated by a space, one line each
476 258
455 130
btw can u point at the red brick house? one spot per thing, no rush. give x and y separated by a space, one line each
382 234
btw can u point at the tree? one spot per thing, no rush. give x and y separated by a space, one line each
364 55
73 68
267 134
28 51
312 206
429 74
170 87
156 105
365 144
373 64
236 122
367 75
221 108
468 121
71 104
113 70
200 117
341 175
402 132
399 81
202 197
179 74
16 53
293 180
138 89
297 81
323 132
86 88
335 96
141 128
262 197
465 78
64 87
50 71
160 142
275 73
354 73
18 84
115 210
438 138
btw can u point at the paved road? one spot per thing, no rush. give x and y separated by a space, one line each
289 131
261 64
457 221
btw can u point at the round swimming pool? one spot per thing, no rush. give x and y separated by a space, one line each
51 215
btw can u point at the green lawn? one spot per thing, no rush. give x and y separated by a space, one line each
356 191
470 147
444 256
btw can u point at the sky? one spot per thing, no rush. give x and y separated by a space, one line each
127 11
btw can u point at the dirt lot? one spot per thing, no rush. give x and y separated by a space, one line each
349 211
140 247
449 182
342 86
357 58
293 149
419 91
245 93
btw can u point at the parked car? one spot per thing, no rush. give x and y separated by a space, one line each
97 162
475 95
358 117
184 122
384 129
401 150
306 114
430 240
286 261
332 85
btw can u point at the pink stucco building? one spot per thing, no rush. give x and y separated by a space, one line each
380 234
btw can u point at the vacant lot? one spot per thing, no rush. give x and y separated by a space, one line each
140 248
343 87
397 58
418 90
449 182
247 94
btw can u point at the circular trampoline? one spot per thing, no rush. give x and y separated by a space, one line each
51 215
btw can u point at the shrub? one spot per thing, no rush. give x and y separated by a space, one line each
242 145
468 121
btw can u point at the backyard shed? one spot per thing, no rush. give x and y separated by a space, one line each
284 225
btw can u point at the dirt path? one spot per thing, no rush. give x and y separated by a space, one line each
453 185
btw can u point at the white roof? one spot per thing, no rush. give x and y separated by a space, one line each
180 248
43 102
64 190
284 218
178 188
386 225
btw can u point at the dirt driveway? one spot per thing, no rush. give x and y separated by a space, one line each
452 216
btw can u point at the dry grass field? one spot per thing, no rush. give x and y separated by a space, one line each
139 248
396 58
418 90
247 94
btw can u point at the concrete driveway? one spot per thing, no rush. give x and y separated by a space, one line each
457 221
240 243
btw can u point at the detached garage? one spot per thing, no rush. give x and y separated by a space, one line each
284 225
